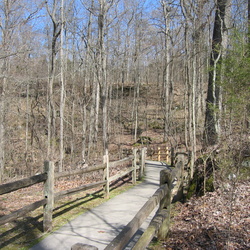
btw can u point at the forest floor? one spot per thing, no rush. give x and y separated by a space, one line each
217 220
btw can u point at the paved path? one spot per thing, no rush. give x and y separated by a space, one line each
100 225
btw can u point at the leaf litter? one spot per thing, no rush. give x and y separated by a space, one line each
217 220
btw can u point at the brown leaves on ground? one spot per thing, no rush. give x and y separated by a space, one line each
218 220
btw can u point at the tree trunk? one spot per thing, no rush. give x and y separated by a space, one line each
166 73
5 34
213 102
102 72
87 81
51 104
136 80
62 96
2 124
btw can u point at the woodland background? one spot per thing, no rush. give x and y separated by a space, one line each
78 78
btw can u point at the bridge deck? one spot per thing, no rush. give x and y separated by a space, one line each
100 225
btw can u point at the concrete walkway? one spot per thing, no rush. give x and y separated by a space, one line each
100 225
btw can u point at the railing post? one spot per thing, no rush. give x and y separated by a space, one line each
143 157
140 164
106 174
49 195
172 157
165 204
167 155
134 166
159 154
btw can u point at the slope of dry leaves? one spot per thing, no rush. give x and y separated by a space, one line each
218 220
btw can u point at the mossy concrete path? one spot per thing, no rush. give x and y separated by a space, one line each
100 225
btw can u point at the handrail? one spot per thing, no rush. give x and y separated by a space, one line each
120 241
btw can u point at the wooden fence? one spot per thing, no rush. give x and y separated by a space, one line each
137 161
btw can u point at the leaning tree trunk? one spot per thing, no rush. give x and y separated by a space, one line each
213 105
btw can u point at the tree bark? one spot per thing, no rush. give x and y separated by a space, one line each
213 102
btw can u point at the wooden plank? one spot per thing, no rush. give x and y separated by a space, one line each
117 176
49 195
120 241
27 182
22 212
116 163
64 193
81 171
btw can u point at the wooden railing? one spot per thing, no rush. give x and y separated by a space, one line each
172 182
161 153
136 162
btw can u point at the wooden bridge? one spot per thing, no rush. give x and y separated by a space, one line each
169 183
